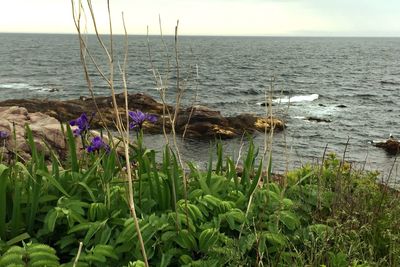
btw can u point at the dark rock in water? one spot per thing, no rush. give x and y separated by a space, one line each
341 106
316 119
392 146
321 105
197 121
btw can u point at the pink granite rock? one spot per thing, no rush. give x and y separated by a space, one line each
46 131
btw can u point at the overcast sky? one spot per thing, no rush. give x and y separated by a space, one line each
215 17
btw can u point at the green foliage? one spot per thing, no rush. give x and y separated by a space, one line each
30 255
320 215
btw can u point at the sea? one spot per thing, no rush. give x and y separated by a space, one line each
336 94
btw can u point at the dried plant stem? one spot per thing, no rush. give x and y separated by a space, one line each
267 147
78 254
83 52
122 130
320 177
179 96
160 84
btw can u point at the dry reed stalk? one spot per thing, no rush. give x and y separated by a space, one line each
83 52
194 102
173 122
160 82
172 117
122 130
267 148
78 254
320 176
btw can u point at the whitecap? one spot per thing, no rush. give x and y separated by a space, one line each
17 86
297 98
26 86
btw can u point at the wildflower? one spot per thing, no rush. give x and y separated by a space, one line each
97 144
82 122
138 118
4 135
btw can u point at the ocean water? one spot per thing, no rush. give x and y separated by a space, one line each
310 77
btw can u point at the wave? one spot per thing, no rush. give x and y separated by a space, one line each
26 86
390 82
293 99
296 99
17 86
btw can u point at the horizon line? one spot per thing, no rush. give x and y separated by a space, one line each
225 35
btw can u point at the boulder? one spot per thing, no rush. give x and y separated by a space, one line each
196 121
45 129
47 133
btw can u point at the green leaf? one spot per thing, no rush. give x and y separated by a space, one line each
276 239
3 199
96 226
90 192
166 236
204 186
12 259
186 240
18 239
53 181
209 171
195 212
81 227
51 219
208 238
95 258
218 167
72 150
289 219
321 229
255 181
106 251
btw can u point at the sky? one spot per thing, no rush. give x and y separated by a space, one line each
213 17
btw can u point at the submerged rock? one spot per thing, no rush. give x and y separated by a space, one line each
196 121
318 119
392 146
341 106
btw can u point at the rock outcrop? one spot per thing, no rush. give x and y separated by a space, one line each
47 133
45 129
196 122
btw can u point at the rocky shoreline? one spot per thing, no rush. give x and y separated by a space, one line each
199 121
44 117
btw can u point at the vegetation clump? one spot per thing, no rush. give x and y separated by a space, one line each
76 213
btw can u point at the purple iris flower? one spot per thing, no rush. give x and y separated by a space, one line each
4 135
97 144
138 118
82 122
